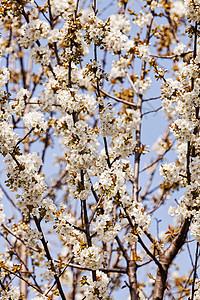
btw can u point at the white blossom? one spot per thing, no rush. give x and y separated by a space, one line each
143 85
192 10
8 138
119 68
35 120
161 146
33 31
179 49
19 104
12 293
177 9
116 38
63 8
4 76
142 19
89 257
104 227
32 236
124 145
41 55
95 290
143 51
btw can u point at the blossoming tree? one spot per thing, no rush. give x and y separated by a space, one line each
78 81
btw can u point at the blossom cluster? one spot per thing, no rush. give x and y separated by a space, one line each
90 257
22 173
33 32
13 293
95 290
116 39
192 9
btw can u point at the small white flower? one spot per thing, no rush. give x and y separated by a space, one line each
179 49
143 19
144 52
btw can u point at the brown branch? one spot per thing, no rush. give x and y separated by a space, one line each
26 135
108 270
151 111
18 238
49 258
172 56
131 267
21 261
166 259
115 98
87 224
152 256
195 270
76 227
22 278
151 99
64 269
94 211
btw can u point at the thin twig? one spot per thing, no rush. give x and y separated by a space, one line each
195 270
171 56
22 278
24 138
151 111
116 98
